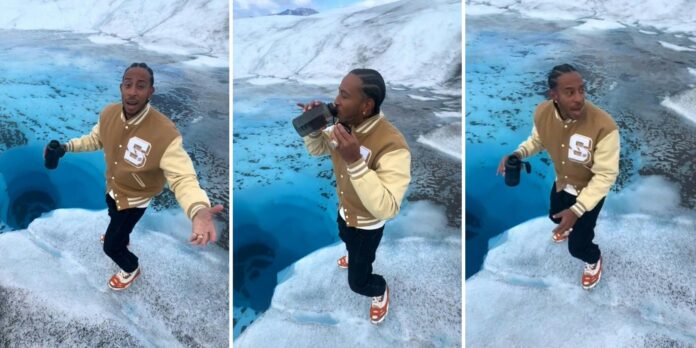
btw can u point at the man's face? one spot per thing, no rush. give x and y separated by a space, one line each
351 102
136 90
569 94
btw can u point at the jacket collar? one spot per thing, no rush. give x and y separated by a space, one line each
367 125
138 118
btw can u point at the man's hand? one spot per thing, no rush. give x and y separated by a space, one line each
203 227
501 165
308 106
348 144
568 219
59 148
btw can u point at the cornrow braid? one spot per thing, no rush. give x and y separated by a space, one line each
144 66
556 72
372 85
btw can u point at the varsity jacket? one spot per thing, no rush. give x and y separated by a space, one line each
370 190
585 152
141 155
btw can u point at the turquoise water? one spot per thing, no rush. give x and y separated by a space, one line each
53 86
500 99
284 202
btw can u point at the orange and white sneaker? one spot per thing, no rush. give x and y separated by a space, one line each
343 262
122 280
592 274
559 237
379 307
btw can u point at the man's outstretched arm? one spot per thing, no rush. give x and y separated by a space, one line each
181 177
527 148
88 142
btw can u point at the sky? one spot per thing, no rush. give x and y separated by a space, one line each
252 8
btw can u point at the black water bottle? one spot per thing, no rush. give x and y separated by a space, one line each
513 167
53 152
314 119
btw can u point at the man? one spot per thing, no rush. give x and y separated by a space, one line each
583 143
143 149
372 164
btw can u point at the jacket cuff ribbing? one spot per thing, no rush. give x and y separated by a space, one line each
358 169
578 209
520 152
195 207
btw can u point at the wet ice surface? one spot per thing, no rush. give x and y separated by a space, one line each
628 73
54 286
528 290
53 86
285 204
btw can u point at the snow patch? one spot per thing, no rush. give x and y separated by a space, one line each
420 97
596 25
648 195
447 114
265 81
446 139
106 40
675 47
683 104
207 61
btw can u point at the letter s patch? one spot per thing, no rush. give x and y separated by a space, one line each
137 151
579 148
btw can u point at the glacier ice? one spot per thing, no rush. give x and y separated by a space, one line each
53 285
412 43
529 292
421 260
670 16
163 26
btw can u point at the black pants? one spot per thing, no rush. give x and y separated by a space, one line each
362 246
117 235
580 242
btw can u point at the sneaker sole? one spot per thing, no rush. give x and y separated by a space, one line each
125 287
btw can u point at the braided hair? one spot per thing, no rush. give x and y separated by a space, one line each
372 85
144 66
556 72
